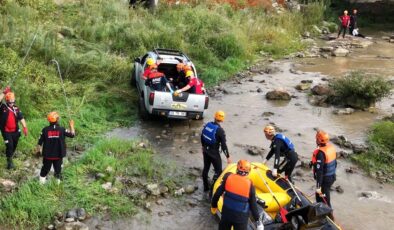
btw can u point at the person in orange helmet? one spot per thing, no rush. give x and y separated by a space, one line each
239 198
181 81
212 138
324 163
52 141
195 85
9 118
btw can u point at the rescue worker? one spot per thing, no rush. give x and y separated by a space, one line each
149 63
157 80
239 197
212 138
345 21
52 141
324 165
280 146
195 85
353 22
182 80
10 116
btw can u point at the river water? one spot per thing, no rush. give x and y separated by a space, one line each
179 141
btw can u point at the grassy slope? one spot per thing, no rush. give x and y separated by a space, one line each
100 38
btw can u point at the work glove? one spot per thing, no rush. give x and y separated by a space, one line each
264 161
318 191
275 172
7 90
259 225
25 131
213 210
177 92
71 123
228 160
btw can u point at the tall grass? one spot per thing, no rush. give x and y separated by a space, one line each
34 205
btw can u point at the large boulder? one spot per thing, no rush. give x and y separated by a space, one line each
321 90
278 94
340 52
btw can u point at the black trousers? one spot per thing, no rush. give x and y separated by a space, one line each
328 181
291 162
11 142
47 165
216 161
342 28
226 225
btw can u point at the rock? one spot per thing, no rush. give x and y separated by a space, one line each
391 40
306 81
278 94
340 52
75 226
343 154
305 165
142 145
303 86
325 30
326 49
306 34
159 202
161 213
69 220
67 32
189 189
366 194
107 186
192 203
72 214
58 224
179 192
318 100
271 70
321 90
153 189
339 189
7 185
109 169
259 90
51 227
387 38
81 214
99 176
299 173
359 148
361 43
148 206
341 141
316 29
268 114
346 111
350 170
297 104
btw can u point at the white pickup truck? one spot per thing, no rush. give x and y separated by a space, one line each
163 103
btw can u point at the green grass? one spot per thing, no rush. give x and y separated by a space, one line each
32 205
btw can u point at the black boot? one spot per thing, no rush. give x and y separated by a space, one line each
10 164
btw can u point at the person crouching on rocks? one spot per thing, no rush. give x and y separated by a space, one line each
52 141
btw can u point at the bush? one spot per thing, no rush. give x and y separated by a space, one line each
359 90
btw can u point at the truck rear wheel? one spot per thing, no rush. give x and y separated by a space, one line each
133 81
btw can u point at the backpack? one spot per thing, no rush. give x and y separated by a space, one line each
209 133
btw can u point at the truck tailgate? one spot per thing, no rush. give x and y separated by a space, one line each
184 102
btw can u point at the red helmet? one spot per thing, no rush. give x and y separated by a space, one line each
243 167
53 117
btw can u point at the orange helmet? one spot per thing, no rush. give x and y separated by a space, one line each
219 115
322 137
153 66
243 167
180 66
187 68
10 96
269 129
53 117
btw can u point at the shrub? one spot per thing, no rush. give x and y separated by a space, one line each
359 90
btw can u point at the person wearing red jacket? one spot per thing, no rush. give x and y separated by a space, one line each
9 118
52 140
345 22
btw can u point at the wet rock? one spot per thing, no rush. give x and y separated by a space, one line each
107 186
262 81
366 194
278 94
387 38
340 52
69 220
321 89
318 100
325 56
179 192
327 49
7 185
72 214
343 154
189 189
345 111
324 79
341 141
153 189
361 43
75 226
303 86
305 165
192 203
259 90
271 70
81 214
391 40
297 104
268 114
306 81
339 189
350 170
359 148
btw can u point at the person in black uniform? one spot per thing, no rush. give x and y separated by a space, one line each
281 146
52 141
9 118
212 138
239 198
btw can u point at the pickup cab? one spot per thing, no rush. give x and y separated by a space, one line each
164 103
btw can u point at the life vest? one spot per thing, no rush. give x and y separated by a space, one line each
209 133
237 189
287 141
153 75
330 155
